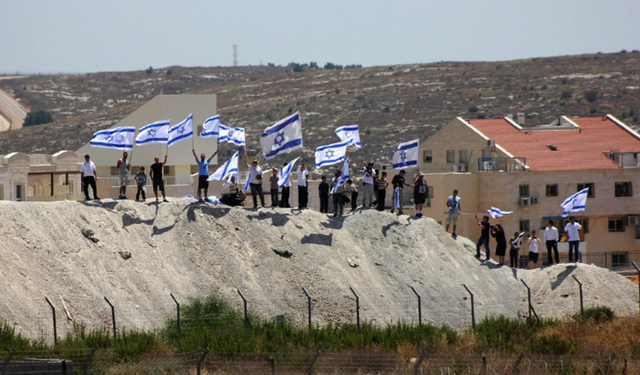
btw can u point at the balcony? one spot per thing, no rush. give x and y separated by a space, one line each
515 164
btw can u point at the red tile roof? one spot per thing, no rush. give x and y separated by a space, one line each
576 150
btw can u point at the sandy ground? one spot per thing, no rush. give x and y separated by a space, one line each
191 249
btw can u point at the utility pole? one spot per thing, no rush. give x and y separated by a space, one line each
235 55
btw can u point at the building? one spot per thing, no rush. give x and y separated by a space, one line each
531 170
40 177
181 167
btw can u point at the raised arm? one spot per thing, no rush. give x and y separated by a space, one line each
165 160
214 154
194 154
245 160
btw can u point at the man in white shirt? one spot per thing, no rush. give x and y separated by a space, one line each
367 183
255 181
572 229
303 193
551 240
89 177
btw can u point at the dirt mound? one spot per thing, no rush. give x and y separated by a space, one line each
136 254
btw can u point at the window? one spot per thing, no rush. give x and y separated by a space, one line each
462 157
426 156
451 156
591 186
18 193
623 189
525 226
552 190
637 232
1 192
524 190
616 225
620 259
199 129
115 171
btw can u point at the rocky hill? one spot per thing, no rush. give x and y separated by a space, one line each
391 103
136 254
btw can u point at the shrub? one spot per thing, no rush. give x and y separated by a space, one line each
38 118
593 110
566 94
551 345
544 87
599 314
149 70
329 66
591 95
564 81
481 116
473 109
169 72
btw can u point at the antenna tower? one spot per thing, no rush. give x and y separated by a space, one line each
235 55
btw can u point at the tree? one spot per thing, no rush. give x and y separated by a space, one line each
149 70
329 66
169 72
591 95
566 94
314 65
38 118
473 109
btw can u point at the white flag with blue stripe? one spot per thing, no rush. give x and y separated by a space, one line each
247 184
496 213
285 173
576 202
181 131
231 135
406 155
118 138
283 137
331 154
350 133
343 177
156 133
211 127
226 170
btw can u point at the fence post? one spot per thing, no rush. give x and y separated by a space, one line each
638 269
419 306
202 357
178 314
309 305
416 369
6 361
531 309
609 363
272 364
606 260
313 362
113 316
485 370
247 323
85 363
581 296
357 306
517 363
473 310
55 327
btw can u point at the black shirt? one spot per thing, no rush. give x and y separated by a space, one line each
485 229
323 189
499 236
398 181
156 170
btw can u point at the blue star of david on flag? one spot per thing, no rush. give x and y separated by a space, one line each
109 138
279 139
180 130
403 155
329 154
153 132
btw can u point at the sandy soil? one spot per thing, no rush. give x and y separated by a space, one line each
192 249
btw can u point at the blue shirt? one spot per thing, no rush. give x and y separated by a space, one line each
203 167
454 204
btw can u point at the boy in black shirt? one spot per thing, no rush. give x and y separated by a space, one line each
156 177
484 236
398 182
323 191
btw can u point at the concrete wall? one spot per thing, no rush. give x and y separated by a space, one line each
162 107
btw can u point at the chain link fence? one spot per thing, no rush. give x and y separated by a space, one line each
103 361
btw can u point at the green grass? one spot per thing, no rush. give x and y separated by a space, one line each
509 335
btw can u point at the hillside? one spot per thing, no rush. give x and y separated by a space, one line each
192 249
391 103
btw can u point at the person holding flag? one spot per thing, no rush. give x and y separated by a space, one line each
337 189
255 181
367 183
573 237
514 250
203 174
156 177
303 189
124 166
398 182
284 182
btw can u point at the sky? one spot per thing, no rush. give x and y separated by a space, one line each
78 36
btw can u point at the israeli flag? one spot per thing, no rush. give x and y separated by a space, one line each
231 135
181 131
283 137
211 127
496 213
226 170
156 133
406 155
247 184
331 154
343 177
285 173
575 203
117 138
396 198
349 134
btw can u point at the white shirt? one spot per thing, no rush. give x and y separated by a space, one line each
533 246
368 176
302 176
88 169
551 234
572 231
253 172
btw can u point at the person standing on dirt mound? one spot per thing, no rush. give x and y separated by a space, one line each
323 193
255 181
338 196
203 174
420 192
123 166
367 183
453 212
484 236
156 177
303 189
88 177
501 242
286 192
398 182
